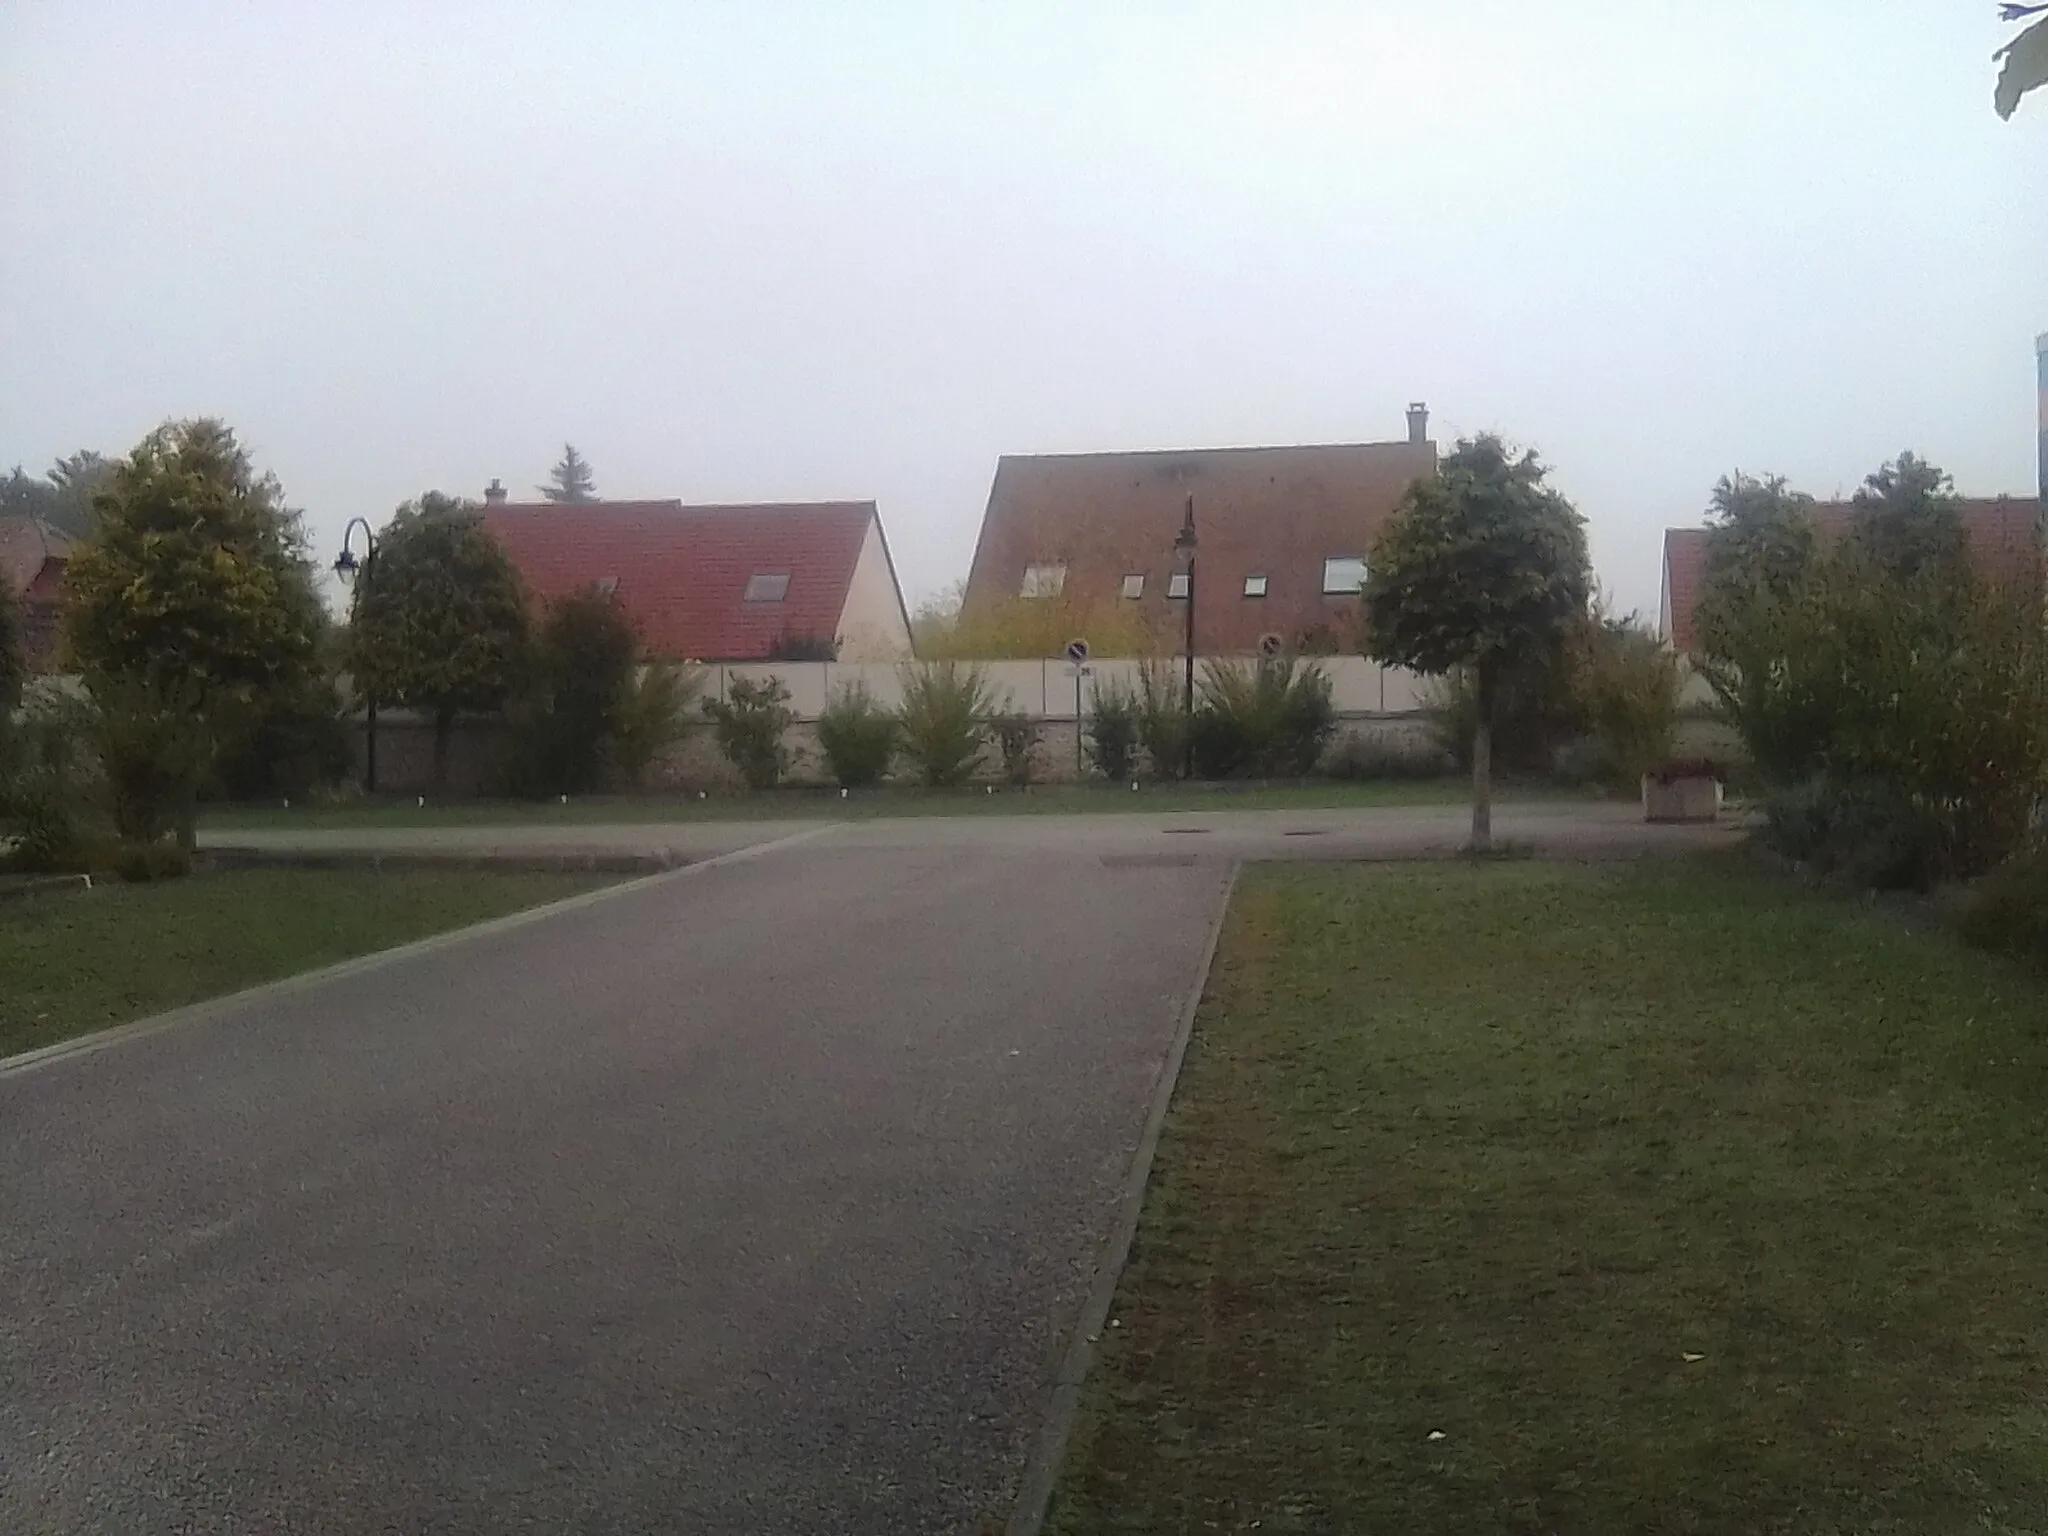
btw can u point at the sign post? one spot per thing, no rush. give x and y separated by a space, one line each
1077 661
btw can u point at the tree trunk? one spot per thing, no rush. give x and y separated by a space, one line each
1482 765
444 727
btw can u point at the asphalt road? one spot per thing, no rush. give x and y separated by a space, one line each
756 1198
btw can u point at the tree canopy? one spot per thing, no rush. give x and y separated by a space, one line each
571 479
2026 60
195 573
1483 568
1910 522
62 498
1760 549
439 620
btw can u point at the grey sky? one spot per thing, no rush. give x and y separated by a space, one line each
772 250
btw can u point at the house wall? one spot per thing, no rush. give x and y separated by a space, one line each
872 626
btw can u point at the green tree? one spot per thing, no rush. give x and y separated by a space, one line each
1485 567
2026 60
571 479
1910 521
750 722
439 623
194 584
63 497
1760 552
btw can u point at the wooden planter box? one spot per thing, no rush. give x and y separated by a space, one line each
1681 797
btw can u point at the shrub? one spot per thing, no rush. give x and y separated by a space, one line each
649 713
154 746
857 735
562 728
1017 737
1628 688
943 718
140 863
749 723
2007 911
45 778
294 743
1270 718
1906 718
1163 719
1113 729
1362 758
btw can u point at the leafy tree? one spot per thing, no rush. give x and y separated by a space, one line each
1483 567
2026 60
193 588
1760 550
1910 522
62 498
586 654
439 623
571 479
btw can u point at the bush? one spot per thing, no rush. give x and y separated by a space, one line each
1907 720
562 729
1628 688
1017 738
2007 911
857 736
154 748
943 718
1363 758
1113 728
650 712
45 781
140 863
1867 834
749 723
1163 719
295 743
1270 719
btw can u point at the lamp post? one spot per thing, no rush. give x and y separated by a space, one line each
1184 548
347 567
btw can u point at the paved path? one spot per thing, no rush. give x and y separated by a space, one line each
1561 828
755 1199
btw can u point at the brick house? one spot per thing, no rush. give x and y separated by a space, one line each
32 560
1283 534
718 583
2001 533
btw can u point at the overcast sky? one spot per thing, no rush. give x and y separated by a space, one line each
762 250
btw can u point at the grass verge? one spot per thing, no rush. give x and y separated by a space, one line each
1526 1198
772 805
76 963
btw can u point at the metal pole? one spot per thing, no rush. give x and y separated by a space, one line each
1188 724
370 710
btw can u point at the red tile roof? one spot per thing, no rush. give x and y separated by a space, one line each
2003 535
681 571
1273 512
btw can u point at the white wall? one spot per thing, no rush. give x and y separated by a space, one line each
1046 688
872 626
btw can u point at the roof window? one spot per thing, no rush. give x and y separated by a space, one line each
1343 574
767 587
1134 586
1043 581
1255 586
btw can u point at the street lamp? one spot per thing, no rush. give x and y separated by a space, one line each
1184 550
348 568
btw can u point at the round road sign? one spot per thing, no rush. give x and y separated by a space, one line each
1271 645
1077 651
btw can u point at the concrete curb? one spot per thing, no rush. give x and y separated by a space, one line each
286 986
1041 1471
512 861
44 885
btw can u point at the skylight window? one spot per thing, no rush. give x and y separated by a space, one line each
1342 574
1177 584
1255 586
1134 587
767 587
1043 581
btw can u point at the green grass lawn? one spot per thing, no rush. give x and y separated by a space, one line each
73 963
1045 799
1671 1199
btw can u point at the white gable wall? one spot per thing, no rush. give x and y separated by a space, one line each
871 626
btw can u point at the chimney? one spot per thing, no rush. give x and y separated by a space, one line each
1418 421
494 493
